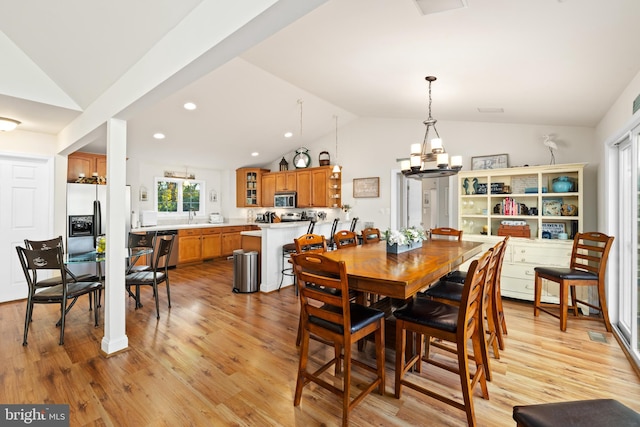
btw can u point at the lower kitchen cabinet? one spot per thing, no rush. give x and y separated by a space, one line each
189 245
211 243
199 244
231 240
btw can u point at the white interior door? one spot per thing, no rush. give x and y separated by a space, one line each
26 200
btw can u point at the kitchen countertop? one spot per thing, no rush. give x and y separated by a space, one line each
178 226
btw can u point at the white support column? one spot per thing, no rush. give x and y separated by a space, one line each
115 338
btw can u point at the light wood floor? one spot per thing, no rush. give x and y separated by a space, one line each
218 358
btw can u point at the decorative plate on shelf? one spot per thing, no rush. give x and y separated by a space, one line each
552 207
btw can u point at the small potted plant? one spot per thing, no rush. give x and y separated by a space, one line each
404 240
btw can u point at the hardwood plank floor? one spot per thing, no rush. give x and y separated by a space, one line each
219 358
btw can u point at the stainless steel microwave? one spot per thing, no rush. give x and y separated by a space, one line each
285 200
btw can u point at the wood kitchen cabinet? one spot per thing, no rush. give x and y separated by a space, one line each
211 243
313 186
268 189
87 164
273 182
249 187
189 245
231 240
199 244
286 181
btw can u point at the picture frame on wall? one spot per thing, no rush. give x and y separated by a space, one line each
494 161
366 187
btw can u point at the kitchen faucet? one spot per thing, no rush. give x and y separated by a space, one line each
192 214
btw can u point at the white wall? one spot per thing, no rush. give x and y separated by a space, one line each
25 142
142 172
369 148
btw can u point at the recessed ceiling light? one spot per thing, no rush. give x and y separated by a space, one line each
288 134
190 106
158 135
490 110
255 154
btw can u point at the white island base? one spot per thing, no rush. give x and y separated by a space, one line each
277 234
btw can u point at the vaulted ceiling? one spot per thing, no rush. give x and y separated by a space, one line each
553 62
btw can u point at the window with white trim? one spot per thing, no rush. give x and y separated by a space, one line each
175 196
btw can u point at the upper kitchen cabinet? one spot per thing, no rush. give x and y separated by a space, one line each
273 182
86 164
249 187
286 181
268 188
318 187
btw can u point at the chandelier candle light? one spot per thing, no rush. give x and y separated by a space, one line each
429 159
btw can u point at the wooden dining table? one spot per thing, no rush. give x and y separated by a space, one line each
372 270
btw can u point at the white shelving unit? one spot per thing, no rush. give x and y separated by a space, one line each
530 192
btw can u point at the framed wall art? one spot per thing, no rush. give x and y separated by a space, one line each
494 161
366 187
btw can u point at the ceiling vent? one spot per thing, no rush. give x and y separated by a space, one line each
434 6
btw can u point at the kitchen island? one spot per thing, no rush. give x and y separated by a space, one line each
277 234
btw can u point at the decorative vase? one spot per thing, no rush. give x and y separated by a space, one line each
398 249
346 216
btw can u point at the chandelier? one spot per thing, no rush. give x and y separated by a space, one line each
429 159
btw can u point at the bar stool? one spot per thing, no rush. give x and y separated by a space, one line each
287 250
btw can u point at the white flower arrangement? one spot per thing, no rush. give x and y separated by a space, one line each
404 236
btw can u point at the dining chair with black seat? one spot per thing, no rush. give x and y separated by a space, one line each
65 293
334 318
371 235
345 239
56 279
314 243
158 274
446 232
449 295
446 322
451 290
352 227
139 241
308 243
587 268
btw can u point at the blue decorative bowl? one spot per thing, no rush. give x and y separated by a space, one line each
562 186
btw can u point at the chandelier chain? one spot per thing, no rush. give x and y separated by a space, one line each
300 101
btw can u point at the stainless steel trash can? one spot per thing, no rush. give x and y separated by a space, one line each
245 271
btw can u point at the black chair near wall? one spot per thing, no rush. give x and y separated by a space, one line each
158 274
65 293
56 279
334 227
139 241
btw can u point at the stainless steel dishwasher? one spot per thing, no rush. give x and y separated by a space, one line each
173 257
